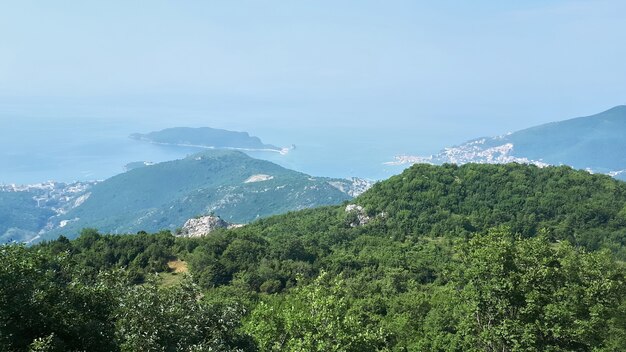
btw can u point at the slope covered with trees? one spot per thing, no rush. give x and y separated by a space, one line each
587 210
20 216
165 195
469 258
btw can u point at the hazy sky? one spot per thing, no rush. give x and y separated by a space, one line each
439 69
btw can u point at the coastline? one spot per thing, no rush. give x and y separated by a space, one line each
281 151
409 159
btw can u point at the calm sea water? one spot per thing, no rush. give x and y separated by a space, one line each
47 147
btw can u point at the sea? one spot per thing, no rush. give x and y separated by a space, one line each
67 145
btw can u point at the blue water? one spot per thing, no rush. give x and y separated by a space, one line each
38 146
34 150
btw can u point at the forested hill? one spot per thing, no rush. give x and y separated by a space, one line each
163 196
440 258
567 204
456 201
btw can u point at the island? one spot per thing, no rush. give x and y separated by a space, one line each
206 137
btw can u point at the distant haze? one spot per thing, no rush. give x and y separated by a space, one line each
409 76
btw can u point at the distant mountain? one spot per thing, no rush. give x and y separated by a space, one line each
26 211
206 137
229 184
596 143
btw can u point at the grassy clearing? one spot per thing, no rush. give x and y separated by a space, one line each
177 266
174 276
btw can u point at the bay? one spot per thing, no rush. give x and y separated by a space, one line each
68 146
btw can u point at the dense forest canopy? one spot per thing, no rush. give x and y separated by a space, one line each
451 258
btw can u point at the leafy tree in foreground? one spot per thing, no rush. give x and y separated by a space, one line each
48 303
312 318
528 295
153 318
43 297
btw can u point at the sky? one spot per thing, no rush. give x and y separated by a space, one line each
431 72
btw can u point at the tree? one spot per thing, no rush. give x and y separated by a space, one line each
316 317
44 301
510 294
177 318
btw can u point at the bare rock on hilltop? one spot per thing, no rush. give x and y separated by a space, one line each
359 216
203 225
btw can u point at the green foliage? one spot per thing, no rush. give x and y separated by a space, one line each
472 258
312 318
48 303
140 254
153 318
42 344
44 297
526 295
457 201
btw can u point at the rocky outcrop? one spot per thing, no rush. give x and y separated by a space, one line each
358 216
353 187
258 178
201 226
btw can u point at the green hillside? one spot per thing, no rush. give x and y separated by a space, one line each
440 258
165 195
451 201
20 217
573 205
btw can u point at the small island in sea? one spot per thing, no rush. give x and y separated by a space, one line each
206 137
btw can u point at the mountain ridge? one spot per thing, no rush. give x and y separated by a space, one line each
591 142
